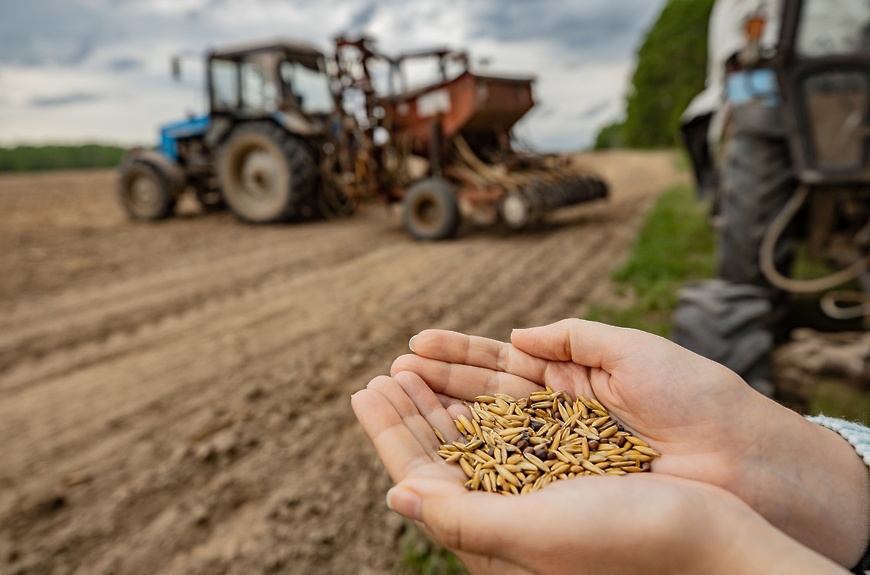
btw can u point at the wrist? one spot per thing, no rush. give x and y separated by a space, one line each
738 540
760 549
807 481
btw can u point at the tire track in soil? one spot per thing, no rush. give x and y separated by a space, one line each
171 368
218 437
164 361
72 320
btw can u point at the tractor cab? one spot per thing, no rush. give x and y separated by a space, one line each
823 65
270 108
260 79
286 81
282 82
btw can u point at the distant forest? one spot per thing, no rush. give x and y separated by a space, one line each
671 69
37 158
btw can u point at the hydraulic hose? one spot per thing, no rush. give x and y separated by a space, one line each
858 304
768 248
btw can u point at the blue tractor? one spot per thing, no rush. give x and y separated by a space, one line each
257 150
291 135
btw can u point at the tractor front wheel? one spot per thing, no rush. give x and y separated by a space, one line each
430 210
145 191
266 174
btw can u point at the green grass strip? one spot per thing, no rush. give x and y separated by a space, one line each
674 246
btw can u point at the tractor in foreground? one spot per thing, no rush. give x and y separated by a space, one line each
293 134
795 172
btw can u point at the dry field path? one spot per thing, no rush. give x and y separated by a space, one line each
174 397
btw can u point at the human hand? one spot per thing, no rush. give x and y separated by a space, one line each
707 423
637 523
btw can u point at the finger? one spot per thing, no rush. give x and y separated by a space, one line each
428 405
448 401
463 381
481 564
398 448
484 525
489 565
458 348
636 359
462 520
407 410
583 342
455 407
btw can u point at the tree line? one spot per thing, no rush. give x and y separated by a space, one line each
57 157
671 69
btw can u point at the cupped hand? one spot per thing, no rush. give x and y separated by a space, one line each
707 423
649 523
689 408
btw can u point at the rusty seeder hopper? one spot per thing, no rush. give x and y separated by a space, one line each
445 150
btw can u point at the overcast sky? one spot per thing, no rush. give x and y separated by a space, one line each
98 70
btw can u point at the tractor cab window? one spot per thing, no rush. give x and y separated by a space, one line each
835 98
308 85
837 104
259 93
833 27
224 85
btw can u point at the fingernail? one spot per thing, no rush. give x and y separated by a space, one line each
404 502
411 343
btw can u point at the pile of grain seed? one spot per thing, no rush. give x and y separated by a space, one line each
520 446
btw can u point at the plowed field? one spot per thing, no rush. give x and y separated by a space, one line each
174 396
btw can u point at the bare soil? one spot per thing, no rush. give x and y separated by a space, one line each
174 397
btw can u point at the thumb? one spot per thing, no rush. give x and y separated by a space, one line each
586 343
457 519
583 342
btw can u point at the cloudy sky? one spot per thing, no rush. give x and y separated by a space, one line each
98 70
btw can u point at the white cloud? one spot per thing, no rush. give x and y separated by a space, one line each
107 76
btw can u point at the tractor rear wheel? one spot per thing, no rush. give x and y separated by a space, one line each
430 210
728 323
757 181
266 174
145 191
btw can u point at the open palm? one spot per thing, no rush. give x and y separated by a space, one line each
690 409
